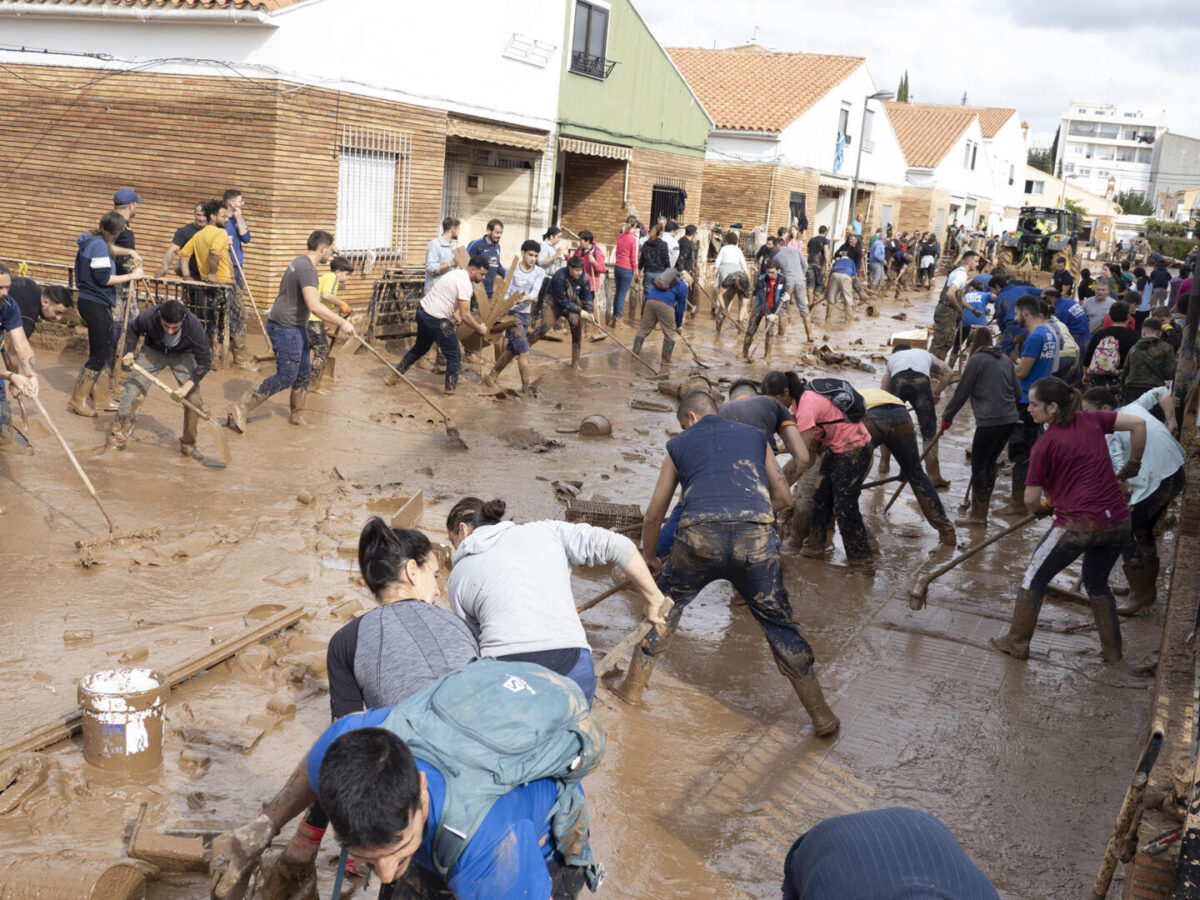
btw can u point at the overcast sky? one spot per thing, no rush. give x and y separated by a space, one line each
1035 55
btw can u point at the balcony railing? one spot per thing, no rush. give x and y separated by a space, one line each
593 66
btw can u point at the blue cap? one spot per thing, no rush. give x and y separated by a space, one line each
125 196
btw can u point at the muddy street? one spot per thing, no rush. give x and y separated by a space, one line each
704 787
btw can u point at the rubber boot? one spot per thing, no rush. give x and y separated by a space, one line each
637 344
241 355
1143 585
815 543
664 362
885 460
937 518
808 689
1024 620
523 369
78 403
102 398
1016 505
490 379
807 328
8 444
1104 611
576 350
298 398
238 412
767 348
641 666
450 384
933 469
978 516
610 321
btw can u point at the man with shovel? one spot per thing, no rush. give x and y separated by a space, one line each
175 340
16 348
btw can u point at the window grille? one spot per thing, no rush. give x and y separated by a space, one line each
373 192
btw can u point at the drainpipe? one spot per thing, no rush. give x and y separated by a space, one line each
771 193
212 15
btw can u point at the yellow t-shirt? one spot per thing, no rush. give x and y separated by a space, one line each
203 243
878 397
326 284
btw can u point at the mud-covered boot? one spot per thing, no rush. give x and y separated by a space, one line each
637 345
1024 620
239 410
885 460
808 689
767 341
815 543
241 355
610 321
1104 611
641 666
78 403
978 516
1143 585
450 385
807 329
298 398
576 351
933 469
1016 505
102 398
523 370
664 362
8 444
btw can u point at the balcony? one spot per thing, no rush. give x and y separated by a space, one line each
592 66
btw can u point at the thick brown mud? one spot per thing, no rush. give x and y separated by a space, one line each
705 787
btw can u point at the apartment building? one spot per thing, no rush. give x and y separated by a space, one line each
1103 148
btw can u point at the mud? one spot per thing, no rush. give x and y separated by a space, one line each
705 786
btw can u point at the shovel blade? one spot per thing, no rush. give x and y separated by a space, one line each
218 436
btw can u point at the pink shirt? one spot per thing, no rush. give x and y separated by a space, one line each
1071 464
627 248
838 435
593 265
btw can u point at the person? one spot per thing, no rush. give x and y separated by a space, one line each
930 251
909 375
125 256
1038 354
1005 310
975 311
1108 349
287 330
857 225
771 294
1149 364
1070 465
96 280
1142 290
239 236
949 306
795 270
1061 279
818 259
1160 282
1172 326
891 428
666 296
526 613
877 255
1087 286
731 488
1066 365
569 296
882 854
341 270
208 250
173 338
845 461
36 302
439 252
386 802
488 247
772 418
1152 490
1098 305
183 234
990 382
16 350
733 279
793 237
1072 315
852 247
550 258
524 287
671 239
842 274
1176 283
655 256
594 267
686 263
626 267
390 652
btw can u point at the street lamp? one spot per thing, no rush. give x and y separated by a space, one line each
878 95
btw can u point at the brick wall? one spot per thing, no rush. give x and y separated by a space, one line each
592 189
650 167
789 180
735 192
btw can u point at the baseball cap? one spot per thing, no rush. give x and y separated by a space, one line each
125 196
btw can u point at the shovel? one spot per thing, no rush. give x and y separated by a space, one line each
622 346
695 356
916 597
904 481
218 433
451 430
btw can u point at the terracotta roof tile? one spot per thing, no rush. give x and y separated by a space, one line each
732 83
927 132
991 118
259 5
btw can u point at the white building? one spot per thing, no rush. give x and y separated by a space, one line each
1108 148
1006 140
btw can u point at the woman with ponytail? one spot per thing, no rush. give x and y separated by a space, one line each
1070 465
512 584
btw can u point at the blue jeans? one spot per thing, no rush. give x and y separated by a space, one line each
624 281
293 366
432 330
876 273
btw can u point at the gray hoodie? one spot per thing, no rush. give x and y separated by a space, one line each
512 583
990 380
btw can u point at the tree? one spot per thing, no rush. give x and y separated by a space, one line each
1040 158
1134 203
1054 151
902 90
1074 207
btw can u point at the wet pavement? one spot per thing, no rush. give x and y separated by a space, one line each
706 786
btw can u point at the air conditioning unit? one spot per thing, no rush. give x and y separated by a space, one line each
474 184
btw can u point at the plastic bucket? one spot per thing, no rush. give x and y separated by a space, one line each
123 714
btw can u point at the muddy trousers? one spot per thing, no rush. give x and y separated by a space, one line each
293 367
916 390
433 330
1020 445
945 327
746 554
891 426
183 367
836 496
656 312
1060 547
1141 552
98 317
548 312
318 340
986 446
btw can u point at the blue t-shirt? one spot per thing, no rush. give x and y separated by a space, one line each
1071 314
483 247
10 316
720 465
1005 314
1042 345
845 265
975 307
507 855
982 278
236 240
93 268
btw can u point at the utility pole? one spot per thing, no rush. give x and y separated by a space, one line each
878 95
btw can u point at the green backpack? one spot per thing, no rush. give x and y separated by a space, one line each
492 726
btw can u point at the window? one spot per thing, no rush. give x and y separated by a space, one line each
1085 172
1069 168
1012 173
797 212
885 217
1130 133
589 41
1091 151
667 199
1082 129
372 203
868 129
843 120
1103 173
967 156
1127 154
1143 156
1035 187
1103 152
1108 131
1077 149
974 153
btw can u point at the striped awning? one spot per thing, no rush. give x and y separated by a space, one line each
594 148
494 133
833 181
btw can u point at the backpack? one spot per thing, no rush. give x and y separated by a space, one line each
1106 359
841 394
492 726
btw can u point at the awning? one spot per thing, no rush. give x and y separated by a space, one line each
831 181
594 148
494 133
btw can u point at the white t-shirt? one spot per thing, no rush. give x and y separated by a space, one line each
1162 456
729 260
672 243
527 283
957 278
446 293
909 361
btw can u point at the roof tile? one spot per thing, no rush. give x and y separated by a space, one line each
735 84
992 118
260 5
926 132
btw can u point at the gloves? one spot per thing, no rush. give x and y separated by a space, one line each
127 362
945 425
345 309
1042 510
587 316
1129 470
237 852
283 880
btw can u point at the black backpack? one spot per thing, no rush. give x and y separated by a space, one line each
841 394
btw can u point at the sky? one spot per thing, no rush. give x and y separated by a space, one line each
1035 55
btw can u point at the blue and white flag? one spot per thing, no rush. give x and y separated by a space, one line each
839 153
